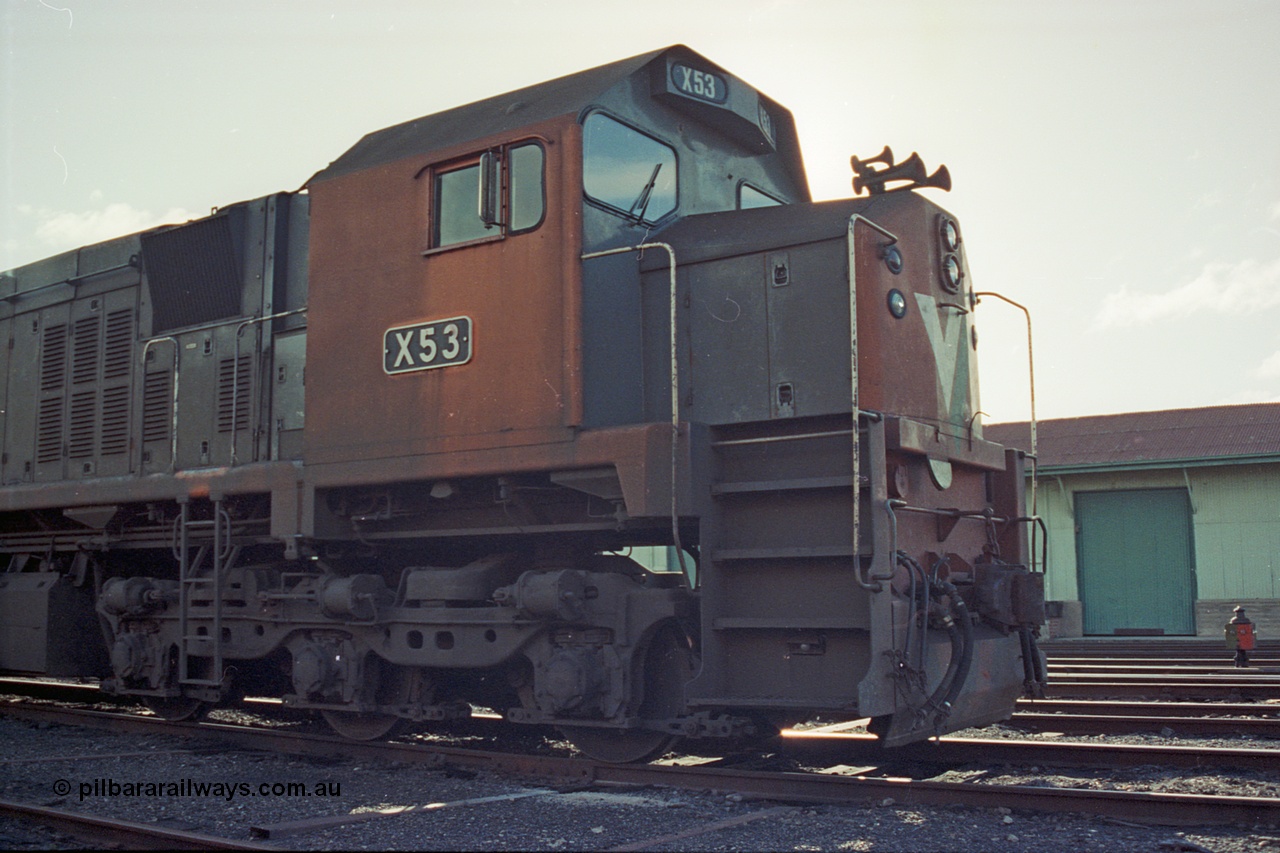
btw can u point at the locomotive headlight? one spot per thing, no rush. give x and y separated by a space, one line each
893 259
897 303
951 273
950 235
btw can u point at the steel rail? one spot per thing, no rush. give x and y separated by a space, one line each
1066 716
786 786
1164 689
1182 665
1222 675
104 831
1220 714
1184 726
1158 708
954 750
1110 648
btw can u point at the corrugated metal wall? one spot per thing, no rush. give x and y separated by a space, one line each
1235 523
1238 531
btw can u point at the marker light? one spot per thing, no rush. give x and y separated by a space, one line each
950 235
893 259
897 303
951 273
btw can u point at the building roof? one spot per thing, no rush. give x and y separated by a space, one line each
1175 437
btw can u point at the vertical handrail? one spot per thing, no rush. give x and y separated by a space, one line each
854 221
173 424
184 587
675 381
1031 370
220 545
222 555
235 376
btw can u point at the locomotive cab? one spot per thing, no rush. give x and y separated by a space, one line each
453 243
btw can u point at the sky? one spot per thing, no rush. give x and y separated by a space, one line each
1115 165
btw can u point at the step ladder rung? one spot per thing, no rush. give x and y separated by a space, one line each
806 552
793 485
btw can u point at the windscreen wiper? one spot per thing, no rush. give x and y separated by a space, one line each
642 201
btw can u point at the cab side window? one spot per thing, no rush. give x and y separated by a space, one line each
749 197
457 211
528 197
488 196
627 171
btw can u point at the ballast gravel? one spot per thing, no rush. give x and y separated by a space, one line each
200 787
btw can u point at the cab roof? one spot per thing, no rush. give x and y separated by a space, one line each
533 104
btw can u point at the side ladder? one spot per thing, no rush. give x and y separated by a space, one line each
200 589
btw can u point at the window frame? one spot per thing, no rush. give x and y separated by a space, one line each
777 202
433 172
601 204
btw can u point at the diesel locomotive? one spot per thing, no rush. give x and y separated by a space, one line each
569 403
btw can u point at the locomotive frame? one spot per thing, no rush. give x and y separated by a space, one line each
381 449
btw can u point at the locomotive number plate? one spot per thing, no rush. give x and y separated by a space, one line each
423 346
702 85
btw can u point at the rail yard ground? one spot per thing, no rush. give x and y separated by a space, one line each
203 786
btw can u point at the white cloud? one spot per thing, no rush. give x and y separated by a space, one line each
1270 367
1275 210
1245 396
36 233
1245 287
61 230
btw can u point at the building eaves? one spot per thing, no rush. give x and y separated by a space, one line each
1171 438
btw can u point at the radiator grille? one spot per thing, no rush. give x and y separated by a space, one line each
115 420
49 430
233 385
157 407
84 409
193 272
53 358
85 345
118 349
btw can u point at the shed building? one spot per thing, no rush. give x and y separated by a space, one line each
1159 523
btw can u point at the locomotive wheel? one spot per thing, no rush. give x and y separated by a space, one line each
176 709
668 665
397 686
356 726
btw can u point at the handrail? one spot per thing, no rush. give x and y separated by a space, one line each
235 378
1031 370
235 372
675 381
173 424
855 220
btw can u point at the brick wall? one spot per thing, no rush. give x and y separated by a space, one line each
1212 616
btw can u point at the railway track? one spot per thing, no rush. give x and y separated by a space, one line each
1165 670
1093 707
1165 686
108 832
874 782
950 750
1175 726
1184 719
1167 647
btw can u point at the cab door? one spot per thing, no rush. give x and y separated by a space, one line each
457 337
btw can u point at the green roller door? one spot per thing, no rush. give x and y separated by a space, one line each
1134 553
